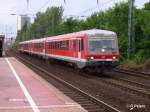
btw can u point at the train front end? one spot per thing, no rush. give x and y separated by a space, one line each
102 50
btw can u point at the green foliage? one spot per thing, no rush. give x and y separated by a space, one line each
116 19
71 25
147 6
139 57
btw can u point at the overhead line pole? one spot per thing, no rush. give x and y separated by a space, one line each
131 35
133 27
27 6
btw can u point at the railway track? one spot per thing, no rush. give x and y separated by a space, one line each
125 81
131 82
136 87
129 86
133 73
90 103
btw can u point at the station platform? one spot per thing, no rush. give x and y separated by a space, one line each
22 90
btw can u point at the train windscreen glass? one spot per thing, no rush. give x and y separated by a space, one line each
101 46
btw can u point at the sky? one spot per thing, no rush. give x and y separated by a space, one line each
8 22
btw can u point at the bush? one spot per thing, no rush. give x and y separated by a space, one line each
139 58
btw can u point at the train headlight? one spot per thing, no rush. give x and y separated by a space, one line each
114 57
103 50
92 57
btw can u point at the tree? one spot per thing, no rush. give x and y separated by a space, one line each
70 25
53 17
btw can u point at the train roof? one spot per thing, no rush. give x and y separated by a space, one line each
98 31
24 42
84 32
38 40
74 35
33 41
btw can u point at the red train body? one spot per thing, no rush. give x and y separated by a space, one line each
94 49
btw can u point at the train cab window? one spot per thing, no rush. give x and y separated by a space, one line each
74 45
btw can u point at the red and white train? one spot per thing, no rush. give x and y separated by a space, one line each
90 49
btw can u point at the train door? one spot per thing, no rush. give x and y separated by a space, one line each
31 47
75 48
79 48
43 47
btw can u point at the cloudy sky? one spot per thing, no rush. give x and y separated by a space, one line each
8 22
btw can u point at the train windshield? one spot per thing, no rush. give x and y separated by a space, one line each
102 45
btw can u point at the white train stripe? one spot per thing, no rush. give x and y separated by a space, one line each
68 58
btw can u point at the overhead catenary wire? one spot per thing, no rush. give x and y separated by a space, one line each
43 5
97 6
46 4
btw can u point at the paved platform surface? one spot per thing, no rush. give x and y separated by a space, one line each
22 90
